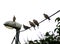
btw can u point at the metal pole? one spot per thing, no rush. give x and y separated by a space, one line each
17 37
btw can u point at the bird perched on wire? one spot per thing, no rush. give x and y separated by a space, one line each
36 22
14 18
26 27
32 24
46 16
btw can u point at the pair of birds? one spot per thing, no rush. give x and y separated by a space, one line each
32 24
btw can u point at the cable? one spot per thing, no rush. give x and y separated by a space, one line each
45 19
39 23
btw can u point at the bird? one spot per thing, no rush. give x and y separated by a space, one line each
36 22
46 16
26 27
14 18
32 24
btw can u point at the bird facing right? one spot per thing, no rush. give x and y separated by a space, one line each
36 22
32 24
46 16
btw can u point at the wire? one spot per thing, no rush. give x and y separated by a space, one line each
50 16
45 19
39 23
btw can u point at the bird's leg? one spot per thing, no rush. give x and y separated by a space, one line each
13 40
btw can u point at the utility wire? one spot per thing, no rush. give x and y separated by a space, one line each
46 19
39 23
50 16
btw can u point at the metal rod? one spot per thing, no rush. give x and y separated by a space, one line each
17 37
13 40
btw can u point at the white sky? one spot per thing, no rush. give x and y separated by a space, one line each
25 11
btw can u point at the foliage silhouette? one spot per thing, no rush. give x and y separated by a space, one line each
50 38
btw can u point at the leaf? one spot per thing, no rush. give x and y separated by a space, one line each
57 19
55 29
47 34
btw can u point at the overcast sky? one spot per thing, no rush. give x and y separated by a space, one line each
25 11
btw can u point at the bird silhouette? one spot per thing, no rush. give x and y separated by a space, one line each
26 27
32 24
14 18
46 16
36 22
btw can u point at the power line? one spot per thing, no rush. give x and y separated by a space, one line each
45 19
50 16
39 23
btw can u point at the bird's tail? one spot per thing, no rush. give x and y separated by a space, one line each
49 19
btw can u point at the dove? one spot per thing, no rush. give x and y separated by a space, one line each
26 27
14 18
46 16
32 24
36 22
